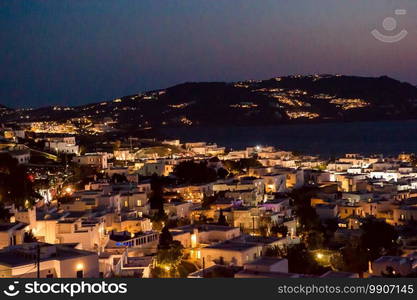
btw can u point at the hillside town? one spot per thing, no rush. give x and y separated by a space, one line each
93 205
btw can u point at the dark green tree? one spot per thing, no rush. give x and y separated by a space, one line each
16 185
165 239
169 254
390 273
65 199
379 237
222 219
194 172
355 257
307 216
4 213
159 219
81 174
241 165
276 251
207 201
314 239
222 173
301 260
246 163
169 259
118 178
157 195
281 230
28 237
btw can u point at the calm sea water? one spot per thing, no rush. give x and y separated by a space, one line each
328 139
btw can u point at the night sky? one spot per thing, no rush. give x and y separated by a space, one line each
71 52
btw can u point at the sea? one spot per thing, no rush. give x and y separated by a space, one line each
324 139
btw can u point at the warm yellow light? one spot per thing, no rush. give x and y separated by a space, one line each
193 240
80 266
167 268
370 271
68 190
319 255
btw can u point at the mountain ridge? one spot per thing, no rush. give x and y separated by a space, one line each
296 98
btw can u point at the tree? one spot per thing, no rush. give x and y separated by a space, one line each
165 239
172 223
4 213
207 201
16 185
263 230
222 219
194 172
82 174
276 251
390 273
65 199
379 237
307 216
330 225
159 219
355 257
281 230
116 145
246 163
264 226
300 260
314 239
242 165
118 178
169 259
336 262
169 255
202 220
28 237
156 199
222 173
231 166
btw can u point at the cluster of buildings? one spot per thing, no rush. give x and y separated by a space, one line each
377 186
105 228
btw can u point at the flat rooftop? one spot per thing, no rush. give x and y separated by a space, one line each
8 226
265 261
14 256
256 274
206 227
231 246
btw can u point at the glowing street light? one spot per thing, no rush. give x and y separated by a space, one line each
68 190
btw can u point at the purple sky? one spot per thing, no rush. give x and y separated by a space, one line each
73 52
